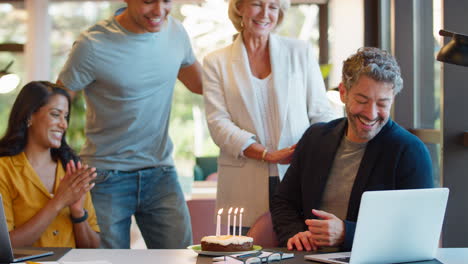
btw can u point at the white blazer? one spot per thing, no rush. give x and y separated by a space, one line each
233 116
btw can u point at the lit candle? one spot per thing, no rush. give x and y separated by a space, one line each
235 218
240 221
229 222
218 222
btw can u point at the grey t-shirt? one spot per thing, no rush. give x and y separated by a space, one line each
128 81
341 179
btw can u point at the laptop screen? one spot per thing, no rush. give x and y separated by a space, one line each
397 226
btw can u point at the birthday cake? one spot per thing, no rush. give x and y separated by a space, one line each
226 243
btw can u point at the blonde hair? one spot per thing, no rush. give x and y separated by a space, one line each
236 18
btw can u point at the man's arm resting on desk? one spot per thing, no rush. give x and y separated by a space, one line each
286 209
308 241
191 77
350 228
302 241
329 230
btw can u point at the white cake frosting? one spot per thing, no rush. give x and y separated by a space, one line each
227 240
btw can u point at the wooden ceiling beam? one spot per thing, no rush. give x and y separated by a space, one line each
12 47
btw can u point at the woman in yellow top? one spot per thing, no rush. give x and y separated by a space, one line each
45 189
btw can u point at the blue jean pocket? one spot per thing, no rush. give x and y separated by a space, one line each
168 169
102 176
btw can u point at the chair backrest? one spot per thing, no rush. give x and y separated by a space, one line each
212 177
204 166
262 232
202 215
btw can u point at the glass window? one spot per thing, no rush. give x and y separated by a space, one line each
415 44
68 20
12 30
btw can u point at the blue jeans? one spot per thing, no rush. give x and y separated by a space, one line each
154 196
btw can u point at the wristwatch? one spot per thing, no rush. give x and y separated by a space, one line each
80 219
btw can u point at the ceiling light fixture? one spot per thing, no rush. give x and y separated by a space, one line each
8 81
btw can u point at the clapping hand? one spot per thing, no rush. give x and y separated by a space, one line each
74 186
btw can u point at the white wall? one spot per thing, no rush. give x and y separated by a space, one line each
346 34
38 48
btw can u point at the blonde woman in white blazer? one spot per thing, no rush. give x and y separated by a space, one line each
261 93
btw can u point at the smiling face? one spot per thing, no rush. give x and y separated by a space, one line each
259 17
49 123
145 16
368 103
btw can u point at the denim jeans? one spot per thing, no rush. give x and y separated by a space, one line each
154 196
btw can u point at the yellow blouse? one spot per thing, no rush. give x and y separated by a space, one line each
24 195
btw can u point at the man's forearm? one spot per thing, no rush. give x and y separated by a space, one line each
350 227
286 221
70 92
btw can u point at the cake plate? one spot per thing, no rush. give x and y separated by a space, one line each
197 249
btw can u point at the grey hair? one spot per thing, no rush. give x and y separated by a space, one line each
236 18
374 63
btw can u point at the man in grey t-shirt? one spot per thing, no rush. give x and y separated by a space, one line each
127 66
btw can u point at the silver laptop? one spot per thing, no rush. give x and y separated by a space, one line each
395 226
7 253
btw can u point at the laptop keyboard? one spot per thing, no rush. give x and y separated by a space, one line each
345 259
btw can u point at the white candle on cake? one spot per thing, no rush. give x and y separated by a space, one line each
240 221
235 218
229 222
218 222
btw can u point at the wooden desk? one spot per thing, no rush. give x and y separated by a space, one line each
186 256
134 256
